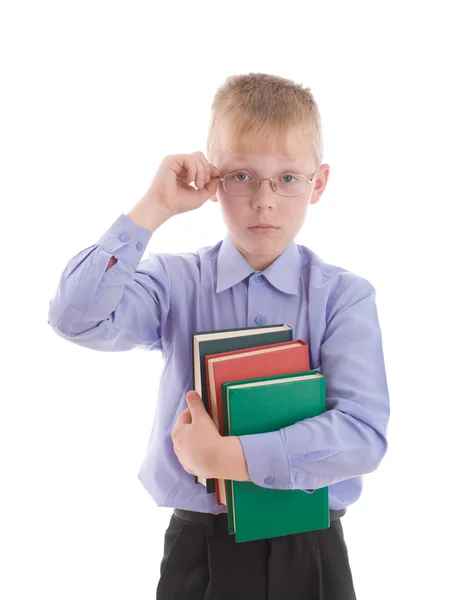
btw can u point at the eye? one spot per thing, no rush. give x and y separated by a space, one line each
240 173
289 175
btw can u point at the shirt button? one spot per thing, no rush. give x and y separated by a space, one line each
139 246
269 480
260 320
258 278
124 237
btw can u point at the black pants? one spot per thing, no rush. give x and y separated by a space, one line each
202 561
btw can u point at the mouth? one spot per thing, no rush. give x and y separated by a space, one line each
263 229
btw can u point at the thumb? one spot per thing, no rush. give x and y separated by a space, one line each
195 404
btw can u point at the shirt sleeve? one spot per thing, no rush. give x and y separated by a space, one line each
119 309
349 439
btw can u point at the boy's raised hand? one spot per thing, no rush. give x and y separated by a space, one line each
170 187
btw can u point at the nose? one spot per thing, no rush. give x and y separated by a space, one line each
265 196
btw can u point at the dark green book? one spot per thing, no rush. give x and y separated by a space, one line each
259 406
225 340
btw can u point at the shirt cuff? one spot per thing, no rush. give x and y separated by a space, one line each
126 240
267 460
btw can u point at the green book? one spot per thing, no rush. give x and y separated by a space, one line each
259 406
225 340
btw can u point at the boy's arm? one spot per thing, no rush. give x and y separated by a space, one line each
349 439
107 299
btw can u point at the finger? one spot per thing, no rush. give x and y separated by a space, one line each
201 175
179 165
208 189
211 181
206 166
210 170
214 171
192 170
186 167
185 418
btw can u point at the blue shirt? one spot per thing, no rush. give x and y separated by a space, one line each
156 304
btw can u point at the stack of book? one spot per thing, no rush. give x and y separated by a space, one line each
256 380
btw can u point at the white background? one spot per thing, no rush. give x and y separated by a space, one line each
94 94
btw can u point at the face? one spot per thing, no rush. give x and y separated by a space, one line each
245 217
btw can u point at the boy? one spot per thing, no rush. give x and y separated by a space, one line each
265 169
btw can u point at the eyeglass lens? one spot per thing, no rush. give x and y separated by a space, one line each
243 184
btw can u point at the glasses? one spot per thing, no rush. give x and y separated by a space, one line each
234 185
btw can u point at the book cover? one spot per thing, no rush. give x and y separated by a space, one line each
213 342
260 406
251 363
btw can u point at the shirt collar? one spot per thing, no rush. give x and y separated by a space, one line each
232 267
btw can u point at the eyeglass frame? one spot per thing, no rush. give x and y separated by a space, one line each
272 181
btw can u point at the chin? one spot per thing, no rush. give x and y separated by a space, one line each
265 245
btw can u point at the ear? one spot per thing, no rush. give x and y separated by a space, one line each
320 183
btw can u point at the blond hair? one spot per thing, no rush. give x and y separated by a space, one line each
263 107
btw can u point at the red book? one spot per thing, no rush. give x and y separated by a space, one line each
263 361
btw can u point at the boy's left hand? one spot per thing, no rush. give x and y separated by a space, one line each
196 438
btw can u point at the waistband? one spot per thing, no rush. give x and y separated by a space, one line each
219 522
